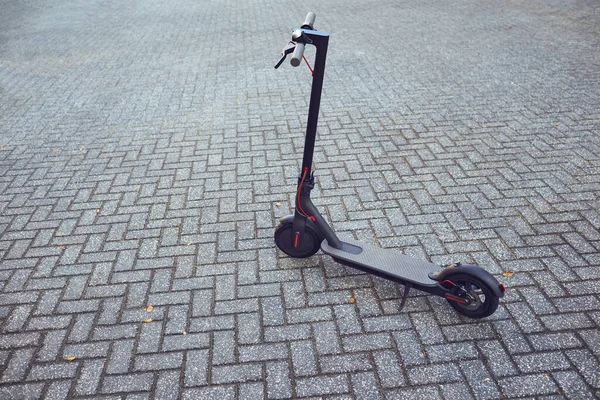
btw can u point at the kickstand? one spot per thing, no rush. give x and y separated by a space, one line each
407 288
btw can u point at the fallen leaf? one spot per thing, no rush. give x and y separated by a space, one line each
508 274
148 320
189 244
352 300
487 380
149 308
69 358
184 333
278 204
55 150
98 210
547 377
59 234
63 247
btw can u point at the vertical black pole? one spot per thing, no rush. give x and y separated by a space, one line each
320 43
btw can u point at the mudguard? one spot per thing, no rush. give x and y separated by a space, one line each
289 219
472 270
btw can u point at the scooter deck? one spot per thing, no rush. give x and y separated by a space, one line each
389 264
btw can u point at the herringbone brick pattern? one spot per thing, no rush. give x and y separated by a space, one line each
147 150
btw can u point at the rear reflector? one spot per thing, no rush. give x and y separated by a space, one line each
502 288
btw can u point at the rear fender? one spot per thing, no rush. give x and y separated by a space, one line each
474 271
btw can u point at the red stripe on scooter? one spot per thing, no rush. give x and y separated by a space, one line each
296 240
456 299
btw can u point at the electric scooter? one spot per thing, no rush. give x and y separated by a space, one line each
469 289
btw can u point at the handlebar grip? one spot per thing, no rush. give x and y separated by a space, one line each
297 56
309 20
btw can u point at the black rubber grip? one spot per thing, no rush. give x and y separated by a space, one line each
309 20
297 55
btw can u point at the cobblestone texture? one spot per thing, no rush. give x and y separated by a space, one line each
148 148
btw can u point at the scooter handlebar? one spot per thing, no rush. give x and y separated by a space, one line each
309 20
298 54
300 45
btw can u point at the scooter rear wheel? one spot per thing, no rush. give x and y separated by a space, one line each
483 301
308 244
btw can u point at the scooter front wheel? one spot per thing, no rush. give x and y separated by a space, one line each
305 245
482 300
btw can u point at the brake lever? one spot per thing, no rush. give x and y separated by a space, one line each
289 48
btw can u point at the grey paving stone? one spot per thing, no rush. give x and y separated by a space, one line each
385 323
262 352
252 390
423 392
150 337
528 385
208 324
248 328
196 368
120 357
326 338
347 319
52 371
409 348
89 377
427 328
59 390
451 352
433 374
287 333
364 385
586 364
554 341
542 362
22 391
223 347
127 383
14 340
365 342
279 384
211 392
236 373
303 358
17 366
189 341
345 363
572 385
498 359
157 362
456 391
168 385
389 369
322 385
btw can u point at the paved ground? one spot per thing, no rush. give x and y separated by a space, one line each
145 145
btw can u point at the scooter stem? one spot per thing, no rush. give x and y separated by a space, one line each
320 40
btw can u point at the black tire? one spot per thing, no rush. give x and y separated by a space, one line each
308 244
483 300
